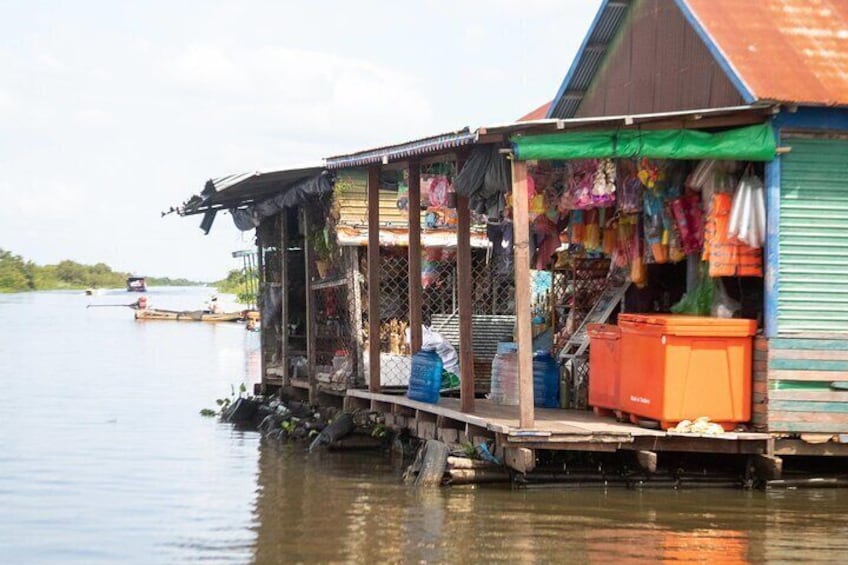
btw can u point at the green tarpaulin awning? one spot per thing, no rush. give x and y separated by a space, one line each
750 143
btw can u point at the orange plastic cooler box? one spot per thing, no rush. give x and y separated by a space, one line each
677 368
604 366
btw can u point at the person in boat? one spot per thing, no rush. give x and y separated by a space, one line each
213 307
140 304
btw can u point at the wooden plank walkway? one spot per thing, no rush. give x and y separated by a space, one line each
555 429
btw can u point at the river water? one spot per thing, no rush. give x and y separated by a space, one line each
104 458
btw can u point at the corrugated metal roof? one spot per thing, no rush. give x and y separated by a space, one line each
539 113
404 150
781 50
752 113
589 58
792 51
245 188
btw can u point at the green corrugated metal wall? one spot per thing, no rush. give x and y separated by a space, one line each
813 273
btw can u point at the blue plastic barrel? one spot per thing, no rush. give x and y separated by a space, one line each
545 380
425 378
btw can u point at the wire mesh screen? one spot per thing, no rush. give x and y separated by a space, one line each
270 293
395 361
335 358
493 306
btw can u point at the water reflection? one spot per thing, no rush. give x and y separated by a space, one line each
352 507
103 459
103 456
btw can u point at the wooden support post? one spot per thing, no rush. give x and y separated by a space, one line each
284 298
463 275
647 460
416 291
374 278
521 233
311 335
767 467
354 291
260 281
520 459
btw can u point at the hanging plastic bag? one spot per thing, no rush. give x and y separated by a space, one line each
581 182
688 221
592 241
610 237
630 188
577 227
748 222
638 272
699 301
702 174
723 305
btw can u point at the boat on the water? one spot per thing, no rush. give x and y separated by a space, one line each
136 284
187 315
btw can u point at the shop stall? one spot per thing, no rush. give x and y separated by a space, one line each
436 273
675 220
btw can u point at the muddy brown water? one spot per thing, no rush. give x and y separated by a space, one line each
104 459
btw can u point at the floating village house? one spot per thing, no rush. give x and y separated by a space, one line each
673 118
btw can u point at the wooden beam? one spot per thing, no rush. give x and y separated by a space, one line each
374 278
354 291
311 334
263 335
463 272
416 291
521 234
284 298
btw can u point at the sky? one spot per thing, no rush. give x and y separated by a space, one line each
112 112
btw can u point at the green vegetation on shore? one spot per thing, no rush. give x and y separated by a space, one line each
238 282
20 275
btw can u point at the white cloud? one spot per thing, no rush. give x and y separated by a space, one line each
298 92
50 200
206 67
93 117
7 104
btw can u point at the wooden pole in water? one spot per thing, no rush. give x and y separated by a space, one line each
521 231
416 291
374 278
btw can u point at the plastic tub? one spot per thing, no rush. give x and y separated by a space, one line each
677 368
604 365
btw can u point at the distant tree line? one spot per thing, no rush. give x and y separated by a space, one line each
240 283
19 275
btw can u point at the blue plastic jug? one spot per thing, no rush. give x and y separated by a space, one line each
425 377
545 380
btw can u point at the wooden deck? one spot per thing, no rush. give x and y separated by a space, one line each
574 430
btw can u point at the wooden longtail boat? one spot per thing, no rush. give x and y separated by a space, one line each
187 315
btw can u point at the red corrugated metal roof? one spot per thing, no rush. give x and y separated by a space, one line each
539 113
782 50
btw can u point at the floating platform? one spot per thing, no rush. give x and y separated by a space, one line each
560 430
